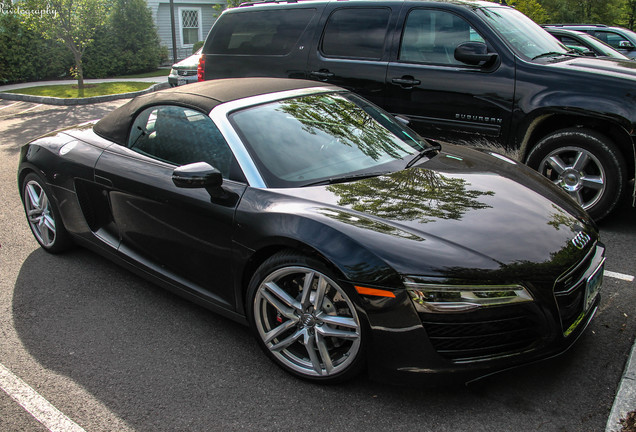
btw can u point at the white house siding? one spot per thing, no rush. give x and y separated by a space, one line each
161 15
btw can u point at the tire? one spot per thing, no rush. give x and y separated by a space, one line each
586 164
43 215
314 334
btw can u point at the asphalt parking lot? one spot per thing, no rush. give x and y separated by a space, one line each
113 352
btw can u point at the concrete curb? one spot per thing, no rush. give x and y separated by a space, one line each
625 400
80 101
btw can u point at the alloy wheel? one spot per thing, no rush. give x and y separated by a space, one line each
307 321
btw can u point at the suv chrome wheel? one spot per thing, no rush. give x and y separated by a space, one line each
585 164
578 172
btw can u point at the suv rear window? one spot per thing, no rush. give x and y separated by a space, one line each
273 32
356 33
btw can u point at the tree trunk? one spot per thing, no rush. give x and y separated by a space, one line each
79 73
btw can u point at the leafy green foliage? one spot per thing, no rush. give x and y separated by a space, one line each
533 9
228 4
135 39
72 22
24 56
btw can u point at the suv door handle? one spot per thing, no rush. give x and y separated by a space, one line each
322 74
406 81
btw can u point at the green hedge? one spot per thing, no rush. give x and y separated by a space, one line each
127 44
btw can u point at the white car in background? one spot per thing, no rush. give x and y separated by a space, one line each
185 71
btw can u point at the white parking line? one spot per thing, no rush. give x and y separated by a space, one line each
621 276
21 112
10 105
35 404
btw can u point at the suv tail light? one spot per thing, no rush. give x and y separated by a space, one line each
201 69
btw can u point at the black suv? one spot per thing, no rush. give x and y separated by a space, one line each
458 70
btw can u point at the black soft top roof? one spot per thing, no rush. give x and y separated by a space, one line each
201 96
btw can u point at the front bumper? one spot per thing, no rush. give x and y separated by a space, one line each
177 79
412 347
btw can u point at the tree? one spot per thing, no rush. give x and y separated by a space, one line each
73 22
584 11
136 41
532 9
228 4
630 14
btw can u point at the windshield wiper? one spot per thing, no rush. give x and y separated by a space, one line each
428 151
346 178
553 54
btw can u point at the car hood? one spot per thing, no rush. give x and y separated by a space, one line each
606 67
462 210
191 62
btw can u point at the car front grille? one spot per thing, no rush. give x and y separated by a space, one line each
485 334
186 72
569 290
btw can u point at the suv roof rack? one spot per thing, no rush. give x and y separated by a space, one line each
257 2
574 24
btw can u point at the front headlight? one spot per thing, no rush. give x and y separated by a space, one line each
173 72
440 298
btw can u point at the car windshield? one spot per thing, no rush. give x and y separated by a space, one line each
332 137
523 35
602 47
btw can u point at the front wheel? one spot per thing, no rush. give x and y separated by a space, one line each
305 320
586 164
43 216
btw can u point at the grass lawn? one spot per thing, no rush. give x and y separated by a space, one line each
70 90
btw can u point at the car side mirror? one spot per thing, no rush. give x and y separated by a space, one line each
197 175
474 54
404 121
626 45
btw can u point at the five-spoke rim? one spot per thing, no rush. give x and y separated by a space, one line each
578 172
39 213
307 321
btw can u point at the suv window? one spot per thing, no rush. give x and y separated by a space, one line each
431 36
180 136
610 38
356 33
273 32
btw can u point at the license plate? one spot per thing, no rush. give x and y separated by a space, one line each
181 82
593 286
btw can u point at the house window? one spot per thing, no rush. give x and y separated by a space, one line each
190 21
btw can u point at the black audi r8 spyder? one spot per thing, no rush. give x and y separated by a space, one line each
344 239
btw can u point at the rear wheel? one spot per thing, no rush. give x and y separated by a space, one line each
43 215
304 320
586 164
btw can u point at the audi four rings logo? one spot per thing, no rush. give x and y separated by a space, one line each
581 240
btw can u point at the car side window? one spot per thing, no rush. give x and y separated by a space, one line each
431 36
181 136
356 33
570 42
610 38
260 32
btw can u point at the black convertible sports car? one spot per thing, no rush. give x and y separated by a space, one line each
343 238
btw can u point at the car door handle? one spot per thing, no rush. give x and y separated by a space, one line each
406 81
103 181
322 74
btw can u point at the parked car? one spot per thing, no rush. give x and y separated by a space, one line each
340 236
457 71
621 39
185 71
584 43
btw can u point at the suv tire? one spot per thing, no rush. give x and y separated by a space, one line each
586 164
